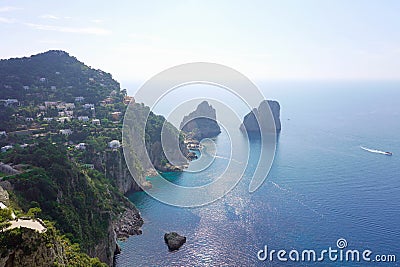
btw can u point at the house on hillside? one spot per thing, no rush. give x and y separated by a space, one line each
108 100
115 115
10 102
50 104
79 99
81 146
114 144
66 131
6 148
63 119
83 118
88 106
96 122
128 99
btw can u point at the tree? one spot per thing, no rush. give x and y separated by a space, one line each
32 212
5 217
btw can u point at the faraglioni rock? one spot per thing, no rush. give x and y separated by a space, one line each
250 121
201 123
174 240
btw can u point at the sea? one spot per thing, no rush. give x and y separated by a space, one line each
330 187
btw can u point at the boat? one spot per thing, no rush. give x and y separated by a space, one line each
388 153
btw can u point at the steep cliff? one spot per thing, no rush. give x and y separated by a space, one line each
26 247
260 114
201 123
117 171
146 149
84 205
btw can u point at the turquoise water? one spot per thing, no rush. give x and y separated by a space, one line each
322 186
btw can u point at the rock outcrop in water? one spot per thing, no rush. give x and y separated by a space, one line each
174 240
250 121
201 123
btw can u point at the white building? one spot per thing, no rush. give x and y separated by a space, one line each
81 146
88 106
9 102
48 119
114 144
69 105
5 148
83 118
62 119
26 87
3 133
66 131
50 104
96 122
79 99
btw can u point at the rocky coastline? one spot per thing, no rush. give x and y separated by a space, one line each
258 120
128 224
201 123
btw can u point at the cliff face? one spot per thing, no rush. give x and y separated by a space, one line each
145 151
115 169
34 249
201 123
26 247
250 122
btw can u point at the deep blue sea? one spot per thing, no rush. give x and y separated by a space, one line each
322 186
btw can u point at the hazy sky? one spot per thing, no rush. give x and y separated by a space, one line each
349 39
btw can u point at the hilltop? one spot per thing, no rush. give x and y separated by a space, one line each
51 76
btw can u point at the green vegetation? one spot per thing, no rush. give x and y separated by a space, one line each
63 103
64 79
61 252
80 202
5 217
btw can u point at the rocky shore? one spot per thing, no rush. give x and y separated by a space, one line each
128 224
201 123
259 119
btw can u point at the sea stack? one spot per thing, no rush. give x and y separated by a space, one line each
201 123
260 115
174 240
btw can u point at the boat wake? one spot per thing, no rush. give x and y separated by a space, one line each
376 151
293 195
234 160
